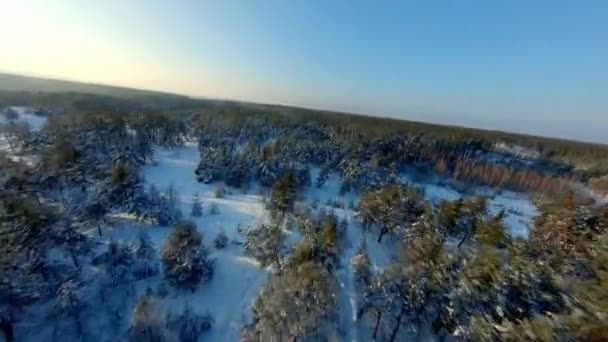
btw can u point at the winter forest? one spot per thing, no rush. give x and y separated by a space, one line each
152 217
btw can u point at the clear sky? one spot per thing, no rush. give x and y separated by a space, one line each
527 66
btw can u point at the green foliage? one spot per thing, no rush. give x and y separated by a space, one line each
298 303
264 243
390 208
147 321
185 259
283 195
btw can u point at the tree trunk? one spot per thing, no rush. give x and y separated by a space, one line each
74 260
382 232
398 325
6 326
78 326
277 260
466 237
378 319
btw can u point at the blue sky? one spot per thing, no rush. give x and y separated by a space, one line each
536 67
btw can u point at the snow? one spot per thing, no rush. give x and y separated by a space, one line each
34 123
436 193
519 211
516 150
26 115
518 207
237 278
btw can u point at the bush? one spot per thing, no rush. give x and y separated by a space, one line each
197 207
185 259
220 191
189 326
214 209
147 322
221 240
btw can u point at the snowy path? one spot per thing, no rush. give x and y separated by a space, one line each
346 280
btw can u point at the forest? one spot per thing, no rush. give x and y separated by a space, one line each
135 216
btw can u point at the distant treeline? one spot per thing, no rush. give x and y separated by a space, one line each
590 160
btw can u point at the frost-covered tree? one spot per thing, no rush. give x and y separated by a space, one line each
70 304
298 303
197 207
171 197
189 326
390 209
472 213
370 303
220 191
116 263
168 211
147 322
221 240
214 209
416 288
330 237
186 260
322 178
145 263
238 175
283 195
264 243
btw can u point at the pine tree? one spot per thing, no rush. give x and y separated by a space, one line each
145 264
298 303
189 326
147 322
283 195
197 207
221 240
70 304
185 259
264 243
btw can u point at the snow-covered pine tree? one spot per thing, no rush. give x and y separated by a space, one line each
214 209
264 243
186 260
147 321
300 302
197 207
221 240
70 303
371 300
188 326
322 178
282 197
116 263
145 262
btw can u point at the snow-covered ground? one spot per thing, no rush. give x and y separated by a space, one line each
27 116
33 122
237 278
516 150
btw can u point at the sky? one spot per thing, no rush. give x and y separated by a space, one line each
538 67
